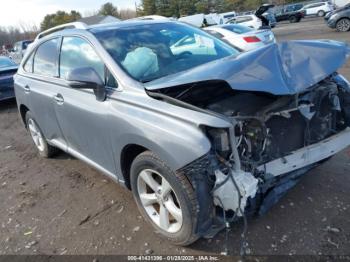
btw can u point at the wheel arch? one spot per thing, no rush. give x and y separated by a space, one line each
23 111
176 153
127 156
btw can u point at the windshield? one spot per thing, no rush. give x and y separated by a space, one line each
6 62
151 51
238 29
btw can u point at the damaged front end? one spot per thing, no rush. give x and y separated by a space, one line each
273 141
277 135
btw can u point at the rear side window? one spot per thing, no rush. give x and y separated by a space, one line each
238 29
243 19
216 34
78 53
45 60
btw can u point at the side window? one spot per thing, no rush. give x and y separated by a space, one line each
45 60
244 19
216 34
77 53
28 66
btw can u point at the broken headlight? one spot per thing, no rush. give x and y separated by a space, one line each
220 141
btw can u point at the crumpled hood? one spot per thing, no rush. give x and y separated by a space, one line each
286 68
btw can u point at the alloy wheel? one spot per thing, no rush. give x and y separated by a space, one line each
343 25
36 135
159 200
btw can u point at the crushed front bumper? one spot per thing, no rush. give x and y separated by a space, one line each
308 155
259 193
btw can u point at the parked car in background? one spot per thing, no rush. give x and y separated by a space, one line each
8 69
19 50
193 45
291 13
247 20
151 17
319 9
266 16
242 37
227 16
197 20
193 136
339 19
337 10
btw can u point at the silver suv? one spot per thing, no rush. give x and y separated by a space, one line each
201 134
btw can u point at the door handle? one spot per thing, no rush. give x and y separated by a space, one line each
26 89
59 98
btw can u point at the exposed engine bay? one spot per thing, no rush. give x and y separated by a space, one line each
274 139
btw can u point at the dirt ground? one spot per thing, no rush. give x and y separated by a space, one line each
62 206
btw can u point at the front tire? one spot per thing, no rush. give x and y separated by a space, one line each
44 149
343 25
165 198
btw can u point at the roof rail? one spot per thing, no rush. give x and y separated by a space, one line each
74 25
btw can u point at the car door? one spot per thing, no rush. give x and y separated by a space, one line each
40 87
83 119
284 14
311 9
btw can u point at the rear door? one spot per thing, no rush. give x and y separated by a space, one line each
40 86
82 118
312 9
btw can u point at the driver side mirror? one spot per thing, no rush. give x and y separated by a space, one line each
87 78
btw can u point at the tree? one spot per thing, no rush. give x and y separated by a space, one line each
148 7
203 6
59 18
109 9
163 7
187 7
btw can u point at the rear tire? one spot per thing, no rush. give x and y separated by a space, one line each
343 25
158 191
44 149
293 19
321 13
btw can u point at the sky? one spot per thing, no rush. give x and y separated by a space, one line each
16 12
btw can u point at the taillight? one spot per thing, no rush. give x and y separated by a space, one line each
251 39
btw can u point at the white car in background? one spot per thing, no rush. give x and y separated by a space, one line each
319 9
248 20
242 37
152 17
228 16
194 45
